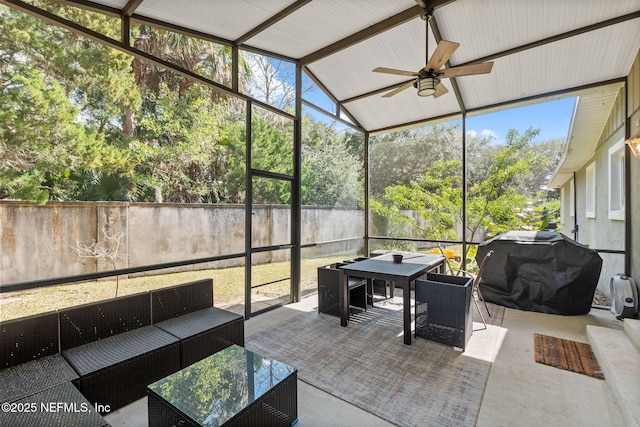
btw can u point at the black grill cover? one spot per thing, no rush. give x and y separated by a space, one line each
540 271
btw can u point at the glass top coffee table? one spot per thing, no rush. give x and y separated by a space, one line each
233 386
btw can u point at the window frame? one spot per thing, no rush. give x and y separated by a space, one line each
590 193
572 199
616 194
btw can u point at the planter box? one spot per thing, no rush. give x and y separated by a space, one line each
443 309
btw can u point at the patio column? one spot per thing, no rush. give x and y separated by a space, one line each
464 190
247 214
367 189
296 196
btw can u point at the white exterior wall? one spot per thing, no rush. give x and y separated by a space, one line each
597 229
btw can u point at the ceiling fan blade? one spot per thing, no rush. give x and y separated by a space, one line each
394 71
399 89
443 52
466 70
440 90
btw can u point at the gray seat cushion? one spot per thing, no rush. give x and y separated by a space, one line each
32 377
191 324
107 352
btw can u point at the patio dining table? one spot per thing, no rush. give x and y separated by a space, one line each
383 268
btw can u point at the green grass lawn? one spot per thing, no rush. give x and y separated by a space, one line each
228 287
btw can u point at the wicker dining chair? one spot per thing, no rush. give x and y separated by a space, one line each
476 280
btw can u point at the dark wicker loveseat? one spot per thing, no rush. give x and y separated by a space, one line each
107 352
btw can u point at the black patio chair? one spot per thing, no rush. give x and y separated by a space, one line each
328 290
477 278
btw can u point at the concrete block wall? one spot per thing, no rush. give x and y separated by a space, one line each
37 241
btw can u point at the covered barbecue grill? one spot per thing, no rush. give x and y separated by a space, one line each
540 271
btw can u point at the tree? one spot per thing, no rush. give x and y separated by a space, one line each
108 249
42 145
271 151
331 178
268 81
332 165
189 140
493 201
399 157
98 186
431 205
181 146
127 129
58 99
428 206
271 80
97 79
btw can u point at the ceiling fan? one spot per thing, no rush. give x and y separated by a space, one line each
428 79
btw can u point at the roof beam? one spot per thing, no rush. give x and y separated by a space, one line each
365 34
322 87
127 11
431 5
374 92
92 7
178 29
331 115
110 11
394 128
339 106
373 30
559 92
131 7
204 36
274 19
438 37
95 36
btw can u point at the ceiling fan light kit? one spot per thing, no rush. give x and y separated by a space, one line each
426 85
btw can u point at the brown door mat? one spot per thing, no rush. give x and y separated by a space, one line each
566 354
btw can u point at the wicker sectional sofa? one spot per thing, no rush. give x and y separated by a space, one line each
106 353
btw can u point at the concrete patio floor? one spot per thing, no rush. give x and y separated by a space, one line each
519 391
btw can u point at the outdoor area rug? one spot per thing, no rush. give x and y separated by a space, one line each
566 354
367 365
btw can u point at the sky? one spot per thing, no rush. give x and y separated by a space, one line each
553 118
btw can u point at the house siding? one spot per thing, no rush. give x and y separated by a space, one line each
601 232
